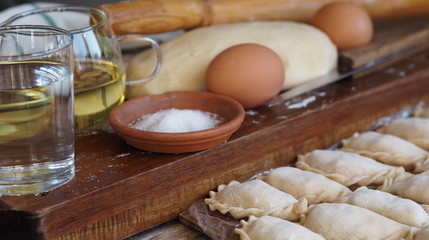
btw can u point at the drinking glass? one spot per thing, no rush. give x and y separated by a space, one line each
99 78
36 109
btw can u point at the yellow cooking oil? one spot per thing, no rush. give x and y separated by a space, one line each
98 88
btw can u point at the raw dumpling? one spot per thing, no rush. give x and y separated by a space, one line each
422 166
338 221
273 228
423 113
414 188
399 209
255 197
413 129
422 234
349 168
425 207
314 187
385 148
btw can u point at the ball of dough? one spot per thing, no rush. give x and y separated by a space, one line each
306 52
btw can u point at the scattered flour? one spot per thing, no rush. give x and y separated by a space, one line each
303 103
176 120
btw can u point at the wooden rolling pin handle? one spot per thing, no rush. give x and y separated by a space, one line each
156 16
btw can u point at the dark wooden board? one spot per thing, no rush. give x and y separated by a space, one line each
218 226
119 191
400 35
170 230
212 223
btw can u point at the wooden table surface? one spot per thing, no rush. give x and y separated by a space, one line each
406 98
170 230
174 229
119 191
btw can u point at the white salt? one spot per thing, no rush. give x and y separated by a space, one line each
176 120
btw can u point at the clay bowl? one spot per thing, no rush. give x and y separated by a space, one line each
227 108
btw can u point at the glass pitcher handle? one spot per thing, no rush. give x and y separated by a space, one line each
153 44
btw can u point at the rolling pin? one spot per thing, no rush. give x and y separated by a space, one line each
157 16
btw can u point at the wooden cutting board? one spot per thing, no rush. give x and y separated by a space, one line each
119 191
393 36
218 226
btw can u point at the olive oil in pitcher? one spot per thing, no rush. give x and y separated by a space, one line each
99 87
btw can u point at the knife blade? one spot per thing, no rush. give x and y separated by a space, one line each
335 75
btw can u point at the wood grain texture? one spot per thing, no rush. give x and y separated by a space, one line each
157 16
120 191
170 230
408 36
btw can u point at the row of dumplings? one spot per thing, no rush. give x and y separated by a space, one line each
388 168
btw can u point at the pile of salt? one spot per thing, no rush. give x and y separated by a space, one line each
176 120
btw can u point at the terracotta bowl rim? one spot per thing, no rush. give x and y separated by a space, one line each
224 129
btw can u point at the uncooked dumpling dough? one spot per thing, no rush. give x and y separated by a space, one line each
257 198
413 129
274 228
399 209
422 234
349 168
306 53
314 187
423 113
341 221
422 166
414 188
385 148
